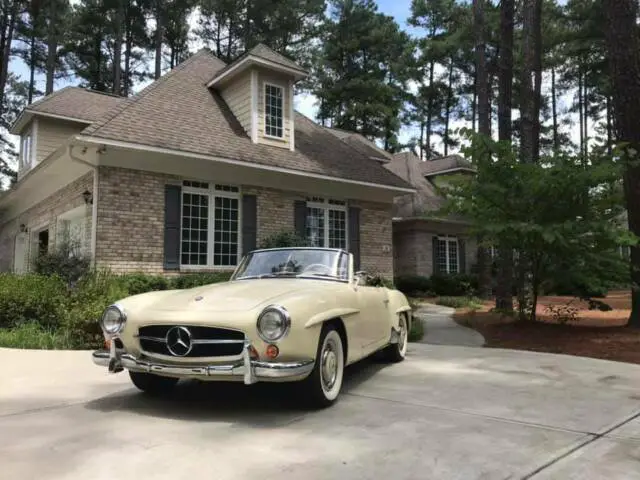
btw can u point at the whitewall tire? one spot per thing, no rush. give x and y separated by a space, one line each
396 352
322 386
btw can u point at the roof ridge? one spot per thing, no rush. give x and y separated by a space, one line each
119 109
48 97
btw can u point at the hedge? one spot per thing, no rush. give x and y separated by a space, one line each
439 284
48 304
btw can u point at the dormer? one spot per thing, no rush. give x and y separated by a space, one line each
258 88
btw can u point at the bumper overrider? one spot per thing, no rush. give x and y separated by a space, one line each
249 369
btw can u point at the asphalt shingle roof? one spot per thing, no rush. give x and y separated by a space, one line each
435 166
179 112
75 102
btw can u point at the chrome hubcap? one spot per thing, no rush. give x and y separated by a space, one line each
329 365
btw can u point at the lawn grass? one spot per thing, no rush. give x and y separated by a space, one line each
33 336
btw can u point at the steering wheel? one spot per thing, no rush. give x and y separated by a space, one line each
314 266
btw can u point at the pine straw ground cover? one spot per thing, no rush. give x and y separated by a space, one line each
591 333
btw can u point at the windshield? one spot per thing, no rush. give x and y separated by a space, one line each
302 263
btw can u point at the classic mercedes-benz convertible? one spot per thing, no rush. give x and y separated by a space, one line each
288 314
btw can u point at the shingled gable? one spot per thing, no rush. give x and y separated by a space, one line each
179 113
69 103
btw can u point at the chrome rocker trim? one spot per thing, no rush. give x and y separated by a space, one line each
251 370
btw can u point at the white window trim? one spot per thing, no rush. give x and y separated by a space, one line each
78 213
447 239
211 192
292 130
325 206
266 84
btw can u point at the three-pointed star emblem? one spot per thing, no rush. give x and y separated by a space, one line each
179 341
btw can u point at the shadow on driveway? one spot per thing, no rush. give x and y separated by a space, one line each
262 405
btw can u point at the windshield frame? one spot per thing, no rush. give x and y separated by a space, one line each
338 258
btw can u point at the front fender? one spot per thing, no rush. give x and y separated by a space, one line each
329 314
398 304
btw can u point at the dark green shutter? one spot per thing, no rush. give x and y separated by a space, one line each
354 235
434 257
300 218
462 256
249 223
172 205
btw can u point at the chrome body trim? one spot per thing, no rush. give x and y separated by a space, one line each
249 370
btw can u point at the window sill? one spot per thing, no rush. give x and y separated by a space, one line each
278 139
204 269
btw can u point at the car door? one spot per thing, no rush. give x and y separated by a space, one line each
374 304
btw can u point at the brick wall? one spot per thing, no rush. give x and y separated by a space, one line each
413 245
130 231
45 214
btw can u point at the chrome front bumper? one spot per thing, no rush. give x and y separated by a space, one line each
251 370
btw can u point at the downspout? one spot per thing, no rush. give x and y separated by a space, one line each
94 203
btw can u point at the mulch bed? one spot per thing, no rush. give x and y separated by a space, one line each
594 334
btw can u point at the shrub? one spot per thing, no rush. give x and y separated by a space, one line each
87 301
31 335
283 240
454 284
31 298
191 280
378 280
417 330
459 302
136 283
413 285
65 262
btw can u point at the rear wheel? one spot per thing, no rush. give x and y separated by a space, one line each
322 386
396 352
152 384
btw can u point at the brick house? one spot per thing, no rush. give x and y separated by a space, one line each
199 167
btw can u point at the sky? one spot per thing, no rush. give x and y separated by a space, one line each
306 103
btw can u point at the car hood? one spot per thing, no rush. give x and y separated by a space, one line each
240 295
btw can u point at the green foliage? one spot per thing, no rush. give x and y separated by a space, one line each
417 330
460 302
65 261
413 285
33 336
136 283
283 240
561 215
454 284
378 280
31 298
191 280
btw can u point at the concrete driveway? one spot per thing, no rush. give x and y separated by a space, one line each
445 413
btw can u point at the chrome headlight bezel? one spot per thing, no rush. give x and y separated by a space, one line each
285 319
122 319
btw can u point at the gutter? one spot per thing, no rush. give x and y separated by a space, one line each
94 203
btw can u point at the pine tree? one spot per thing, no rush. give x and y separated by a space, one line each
363 70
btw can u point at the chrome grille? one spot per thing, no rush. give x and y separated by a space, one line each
205 341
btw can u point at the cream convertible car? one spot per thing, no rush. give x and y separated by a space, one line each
289 314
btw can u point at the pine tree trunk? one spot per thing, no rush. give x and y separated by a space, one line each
447 113
8 27
537 98
624 56
158 39
127 58
580 114
474 102
585 99
484 128
430 108
32 67
504 286
422 140
554 111
609 126
117 48
52 55
527 93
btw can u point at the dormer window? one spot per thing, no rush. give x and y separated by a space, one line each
273 110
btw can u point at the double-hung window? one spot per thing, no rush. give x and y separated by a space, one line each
210 225
326 223
273 111
448 255
25 150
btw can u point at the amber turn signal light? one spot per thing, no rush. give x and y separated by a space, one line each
107 344
272 351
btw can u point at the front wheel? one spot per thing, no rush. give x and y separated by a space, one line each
322 386
152 384
396 352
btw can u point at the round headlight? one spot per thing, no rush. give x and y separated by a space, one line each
273 323
113 319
